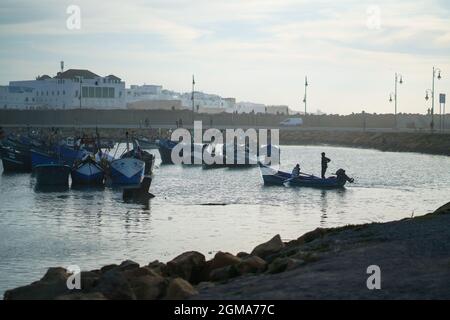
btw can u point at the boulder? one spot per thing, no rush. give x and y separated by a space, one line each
223 274
113 285
140 272
188 265
148 287
179 289
89 279
128 265
82 296
251 264
158 267
270 247
52 285
223 259
108 268
242 254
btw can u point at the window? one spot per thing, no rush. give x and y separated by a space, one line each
104 92
64 92
76 93
91 92
85 92
98 92
110 92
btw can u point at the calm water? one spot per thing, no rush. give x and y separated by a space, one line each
91 228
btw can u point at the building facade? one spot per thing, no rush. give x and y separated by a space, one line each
74 88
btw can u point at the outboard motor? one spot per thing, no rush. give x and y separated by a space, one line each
342 176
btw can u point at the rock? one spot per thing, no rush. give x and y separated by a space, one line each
55 274
113 285
242 254
148 287
82 296
223 259
52 285
272 246
140 272
188 265
282 264
179 289
158 267
128 265
312 235
89 279
223 274
108 268
251 264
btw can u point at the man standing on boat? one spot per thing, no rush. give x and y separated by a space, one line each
325 161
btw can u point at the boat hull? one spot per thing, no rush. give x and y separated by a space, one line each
41 157
15 160
127 171
316 182
273 177
52 174
165 150
88 173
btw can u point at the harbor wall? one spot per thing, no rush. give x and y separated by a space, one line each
154 118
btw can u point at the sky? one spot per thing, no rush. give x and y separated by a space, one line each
253 50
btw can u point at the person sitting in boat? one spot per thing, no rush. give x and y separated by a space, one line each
296 171
325 161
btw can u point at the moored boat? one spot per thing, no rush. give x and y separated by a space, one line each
127 171
165 147
15 159
87 171
52 174
39 157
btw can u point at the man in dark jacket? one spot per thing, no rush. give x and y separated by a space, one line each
325 161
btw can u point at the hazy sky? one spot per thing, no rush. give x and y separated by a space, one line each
254 50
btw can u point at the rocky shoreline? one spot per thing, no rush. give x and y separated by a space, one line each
413 254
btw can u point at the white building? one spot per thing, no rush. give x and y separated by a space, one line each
63 92
250 107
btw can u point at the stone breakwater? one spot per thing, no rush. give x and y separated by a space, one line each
429 143
413 255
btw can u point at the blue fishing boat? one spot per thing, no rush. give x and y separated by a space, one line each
127 171
52 174
275 177
15 159
70 154
165 147
272 176
87 171
39 157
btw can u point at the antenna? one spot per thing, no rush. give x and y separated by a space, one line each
62 66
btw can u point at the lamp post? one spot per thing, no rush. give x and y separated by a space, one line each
192 98
438 71
398 80
304 98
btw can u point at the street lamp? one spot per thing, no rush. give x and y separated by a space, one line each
304 98
398 80
428 91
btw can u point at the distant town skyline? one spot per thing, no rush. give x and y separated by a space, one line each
257 51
